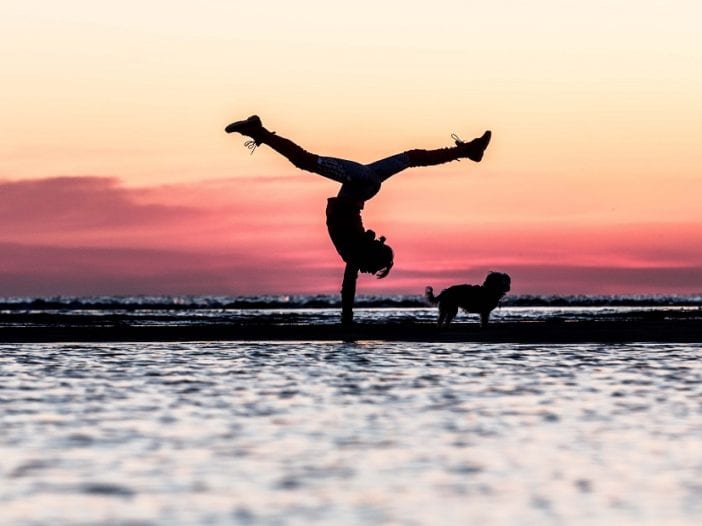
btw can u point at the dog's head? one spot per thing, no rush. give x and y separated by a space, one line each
499 282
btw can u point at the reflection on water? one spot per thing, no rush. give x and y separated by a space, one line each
335 433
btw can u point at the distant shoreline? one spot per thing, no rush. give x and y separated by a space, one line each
322 301
683 328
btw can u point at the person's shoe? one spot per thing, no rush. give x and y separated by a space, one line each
251 127
246 127
473 149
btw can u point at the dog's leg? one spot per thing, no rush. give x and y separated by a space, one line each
442 317
484 319
451 314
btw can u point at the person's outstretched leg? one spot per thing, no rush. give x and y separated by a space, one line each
357 181
298 156
472 150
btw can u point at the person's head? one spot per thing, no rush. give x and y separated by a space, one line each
375 257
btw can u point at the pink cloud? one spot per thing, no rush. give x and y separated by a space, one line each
77 203
91 235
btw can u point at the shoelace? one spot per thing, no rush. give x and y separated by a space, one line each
458 141
251 145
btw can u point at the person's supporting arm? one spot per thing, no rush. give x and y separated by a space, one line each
348 293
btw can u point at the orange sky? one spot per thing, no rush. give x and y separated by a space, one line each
116 176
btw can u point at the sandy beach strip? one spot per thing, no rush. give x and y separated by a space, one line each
686 329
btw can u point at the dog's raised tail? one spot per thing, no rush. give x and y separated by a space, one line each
429 295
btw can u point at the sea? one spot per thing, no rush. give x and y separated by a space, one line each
347 433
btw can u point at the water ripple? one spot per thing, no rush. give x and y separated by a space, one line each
371 432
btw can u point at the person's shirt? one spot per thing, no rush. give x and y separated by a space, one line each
346 227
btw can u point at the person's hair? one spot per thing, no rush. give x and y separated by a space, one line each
376 258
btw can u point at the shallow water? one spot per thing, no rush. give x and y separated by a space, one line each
170 311
325 316
341 433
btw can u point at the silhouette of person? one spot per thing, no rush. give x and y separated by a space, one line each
359 248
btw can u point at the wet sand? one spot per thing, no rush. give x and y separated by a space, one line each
642 327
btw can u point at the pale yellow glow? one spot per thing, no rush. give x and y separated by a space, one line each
594 106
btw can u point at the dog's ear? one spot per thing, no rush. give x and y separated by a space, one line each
506 282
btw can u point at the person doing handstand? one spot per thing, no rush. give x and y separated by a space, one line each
359 248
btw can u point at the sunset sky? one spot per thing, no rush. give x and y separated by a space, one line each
116 176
